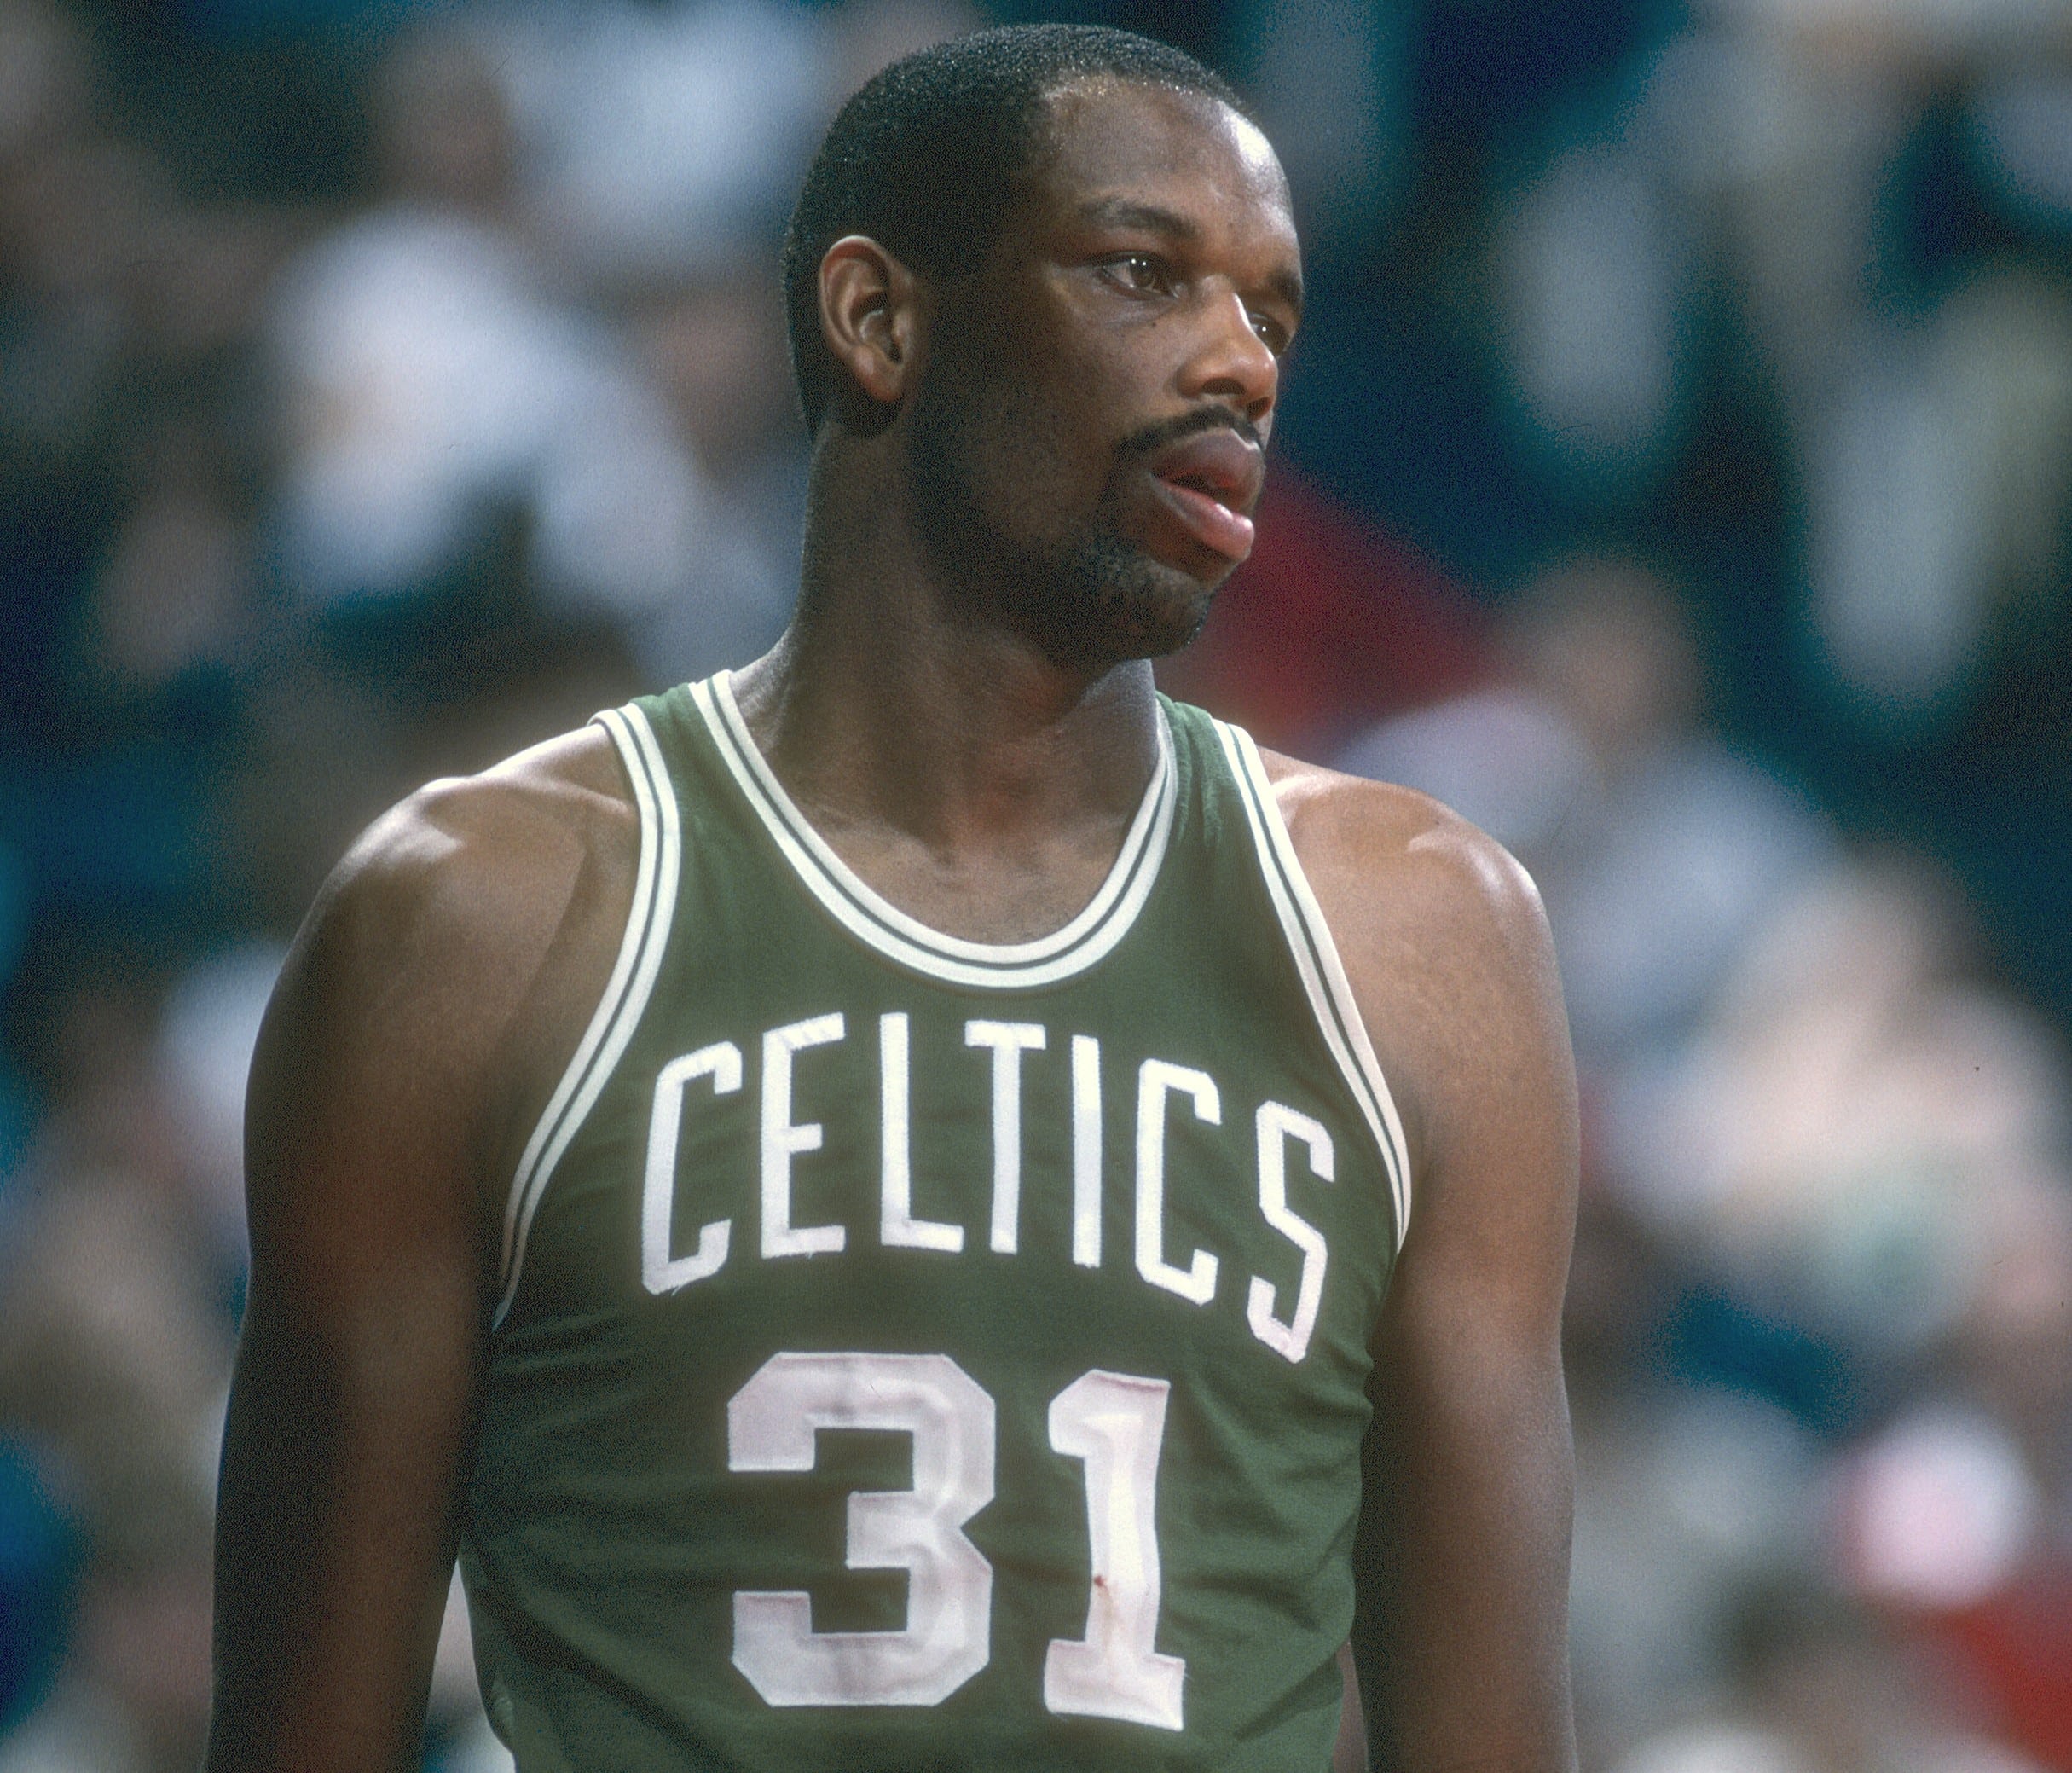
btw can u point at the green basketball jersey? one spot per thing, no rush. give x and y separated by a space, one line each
917 1352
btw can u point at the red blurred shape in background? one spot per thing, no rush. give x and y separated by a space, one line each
1331 624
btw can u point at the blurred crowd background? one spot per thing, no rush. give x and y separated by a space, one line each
1675 475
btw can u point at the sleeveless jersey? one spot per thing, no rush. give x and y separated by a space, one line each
916 1353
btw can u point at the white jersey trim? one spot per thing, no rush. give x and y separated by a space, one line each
1317 960
880 924
626 992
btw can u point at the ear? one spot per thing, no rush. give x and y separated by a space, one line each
870 315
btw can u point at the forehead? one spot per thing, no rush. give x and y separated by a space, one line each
1110 137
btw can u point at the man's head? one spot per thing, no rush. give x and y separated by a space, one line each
1051 269
925 157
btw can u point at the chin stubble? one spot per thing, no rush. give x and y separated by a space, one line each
1091 601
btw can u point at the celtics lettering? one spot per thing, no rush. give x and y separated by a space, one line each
1288 1151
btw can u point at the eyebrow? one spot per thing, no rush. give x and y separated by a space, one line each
1122 212
1153 218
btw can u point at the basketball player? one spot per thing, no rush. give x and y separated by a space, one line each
872 1200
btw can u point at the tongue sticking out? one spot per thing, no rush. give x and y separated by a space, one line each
1207 518
1208 481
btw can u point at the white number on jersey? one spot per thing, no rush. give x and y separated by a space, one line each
1113 1423
770 1426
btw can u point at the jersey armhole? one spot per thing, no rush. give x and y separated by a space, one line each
1317 961
626 993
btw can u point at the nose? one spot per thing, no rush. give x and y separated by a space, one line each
1231 362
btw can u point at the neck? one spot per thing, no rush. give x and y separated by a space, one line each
888 704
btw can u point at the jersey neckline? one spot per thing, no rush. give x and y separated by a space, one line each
874 920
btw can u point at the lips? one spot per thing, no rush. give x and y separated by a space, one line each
1209 482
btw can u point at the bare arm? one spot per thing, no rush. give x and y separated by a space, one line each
1462 1639
442 968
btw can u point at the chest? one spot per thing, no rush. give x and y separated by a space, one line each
1178 1145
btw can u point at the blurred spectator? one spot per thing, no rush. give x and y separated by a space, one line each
432 384
1330 79
174 591
667 137
1655 847
1912 1135
114 1360
714 346
1685 1501
1594 282
1939 490
1823 1691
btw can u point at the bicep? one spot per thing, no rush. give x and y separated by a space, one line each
1463 1555
352 1406
1465 1534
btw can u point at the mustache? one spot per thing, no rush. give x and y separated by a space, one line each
1169 431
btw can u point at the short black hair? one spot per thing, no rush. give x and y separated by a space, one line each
924 157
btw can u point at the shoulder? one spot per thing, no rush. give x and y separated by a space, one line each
486 862
1377 853
1442 932
451 960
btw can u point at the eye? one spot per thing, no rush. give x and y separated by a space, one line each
1272 334
1141 273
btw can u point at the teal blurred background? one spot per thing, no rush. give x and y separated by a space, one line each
1675 475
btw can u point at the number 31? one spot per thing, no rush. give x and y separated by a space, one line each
1112 1423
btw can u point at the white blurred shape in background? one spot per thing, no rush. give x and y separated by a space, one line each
1328 78
1936 484
1938 1512
1891 33
660 137
1717 1749
2023 123
1858 1132
428 384
206 1033
1588 274
1504 758
1679 1512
